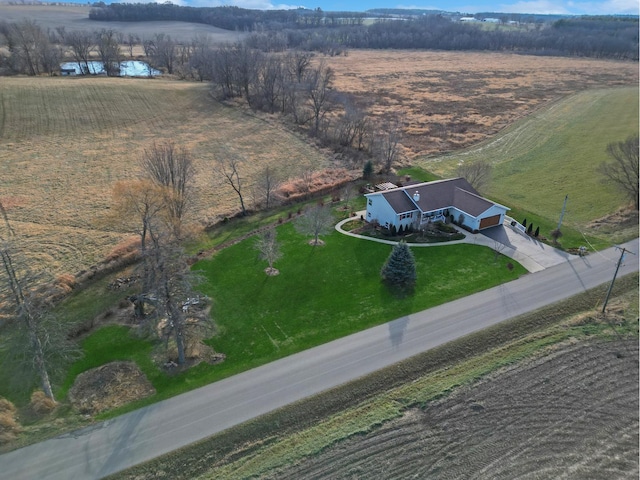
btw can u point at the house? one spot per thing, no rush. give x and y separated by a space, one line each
416 205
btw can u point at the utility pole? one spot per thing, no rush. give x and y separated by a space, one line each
622 252
564 207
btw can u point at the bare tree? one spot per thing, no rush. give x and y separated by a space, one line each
167 281
315 221
347 194
172 167
247 63
623 171
50 56
201 60
270 84
223 77
33 339
131 41
81 44
140 205
318 89
297 64
269 250
477 173
268 183
227 171
109 52
26 42
162 51
388 142
498 248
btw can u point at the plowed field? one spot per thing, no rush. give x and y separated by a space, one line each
572 414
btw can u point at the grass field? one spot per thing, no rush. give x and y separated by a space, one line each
553 153
64 142
76 17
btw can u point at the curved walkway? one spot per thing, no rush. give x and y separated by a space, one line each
527 251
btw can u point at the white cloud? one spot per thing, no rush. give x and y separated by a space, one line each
535 6
608 7
250 4
419 7
573 7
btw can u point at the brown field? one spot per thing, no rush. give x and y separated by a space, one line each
76 17
64 142
451 100
571 414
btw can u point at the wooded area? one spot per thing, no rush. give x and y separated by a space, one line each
600 37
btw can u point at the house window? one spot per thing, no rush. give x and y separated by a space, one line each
370 202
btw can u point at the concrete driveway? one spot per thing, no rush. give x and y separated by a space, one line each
529 252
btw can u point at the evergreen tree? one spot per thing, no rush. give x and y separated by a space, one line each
399 271
367 171
530 228
537 232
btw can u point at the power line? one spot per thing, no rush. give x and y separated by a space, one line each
623 250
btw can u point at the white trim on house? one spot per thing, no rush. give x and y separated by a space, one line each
416 205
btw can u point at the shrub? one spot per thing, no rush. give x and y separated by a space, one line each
537 232
40 404
443 227
66 281
530 229
124 250
9 426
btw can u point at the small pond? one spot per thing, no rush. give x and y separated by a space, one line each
130 68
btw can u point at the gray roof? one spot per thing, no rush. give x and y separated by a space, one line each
454 192
399 201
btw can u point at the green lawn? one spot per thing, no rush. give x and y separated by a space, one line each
327 292
321 294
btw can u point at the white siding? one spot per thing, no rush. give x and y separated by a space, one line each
468 221
379 209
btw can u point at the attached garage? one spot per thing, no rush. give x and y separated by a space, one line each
490 221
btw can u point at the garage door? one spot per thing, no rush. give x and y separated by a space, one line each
489 221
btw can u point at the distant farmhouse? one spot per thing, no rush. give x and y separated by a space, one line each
421 203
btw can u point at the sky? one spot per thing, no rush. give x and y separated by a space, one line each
564 7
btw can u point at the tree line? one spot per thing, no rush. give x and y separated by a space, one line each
36 51
226 17
600 37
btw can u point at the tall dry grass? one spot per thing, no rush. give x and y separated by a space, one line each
65 141
451 100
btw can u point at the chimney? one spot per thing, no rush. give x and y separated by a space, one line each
416 196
